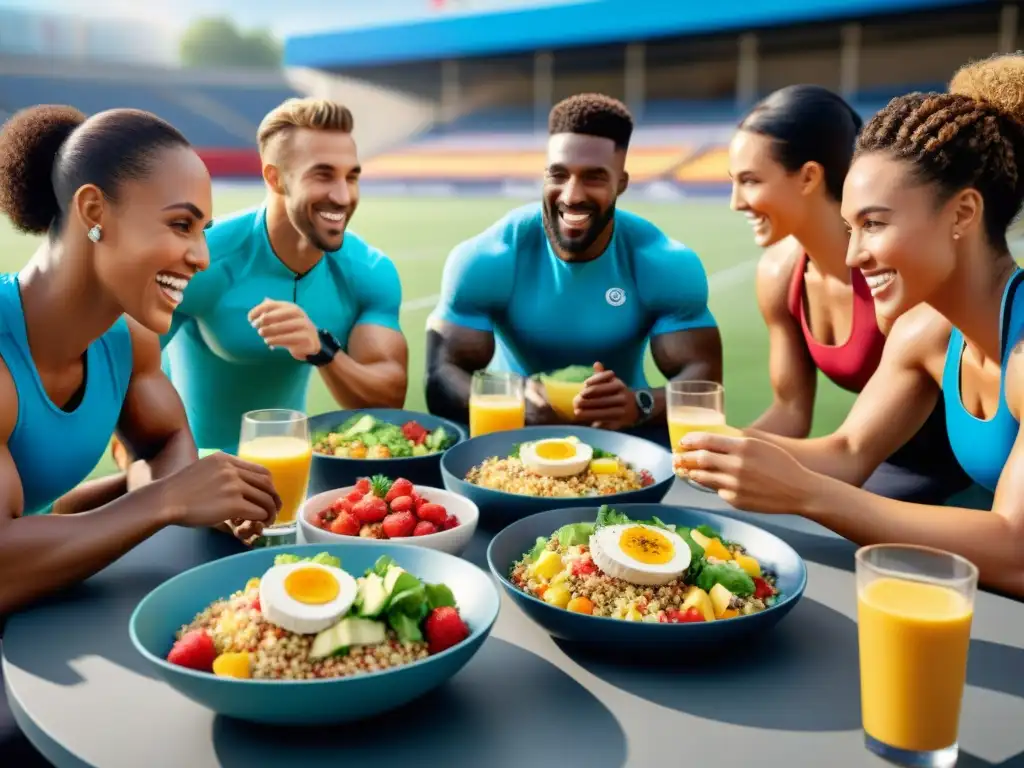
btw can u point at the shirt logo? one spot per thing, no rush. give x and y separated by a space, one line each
615 296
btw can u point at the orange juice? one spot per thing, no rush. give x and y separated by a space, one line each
914 638
685 419
288 459
495 413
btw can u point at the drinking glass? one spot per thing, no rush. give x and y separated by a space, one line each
497 402
694 406
915 606
278 439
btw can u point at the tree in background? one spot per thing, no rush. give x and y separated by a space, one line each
219 43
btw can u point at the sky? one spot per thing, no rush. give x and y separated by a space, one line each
283 18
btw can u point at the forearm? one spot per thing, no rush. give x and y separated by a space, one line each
43 553
357 385
832 455
783 420
696 370
447 391
987 539
91 494
177 453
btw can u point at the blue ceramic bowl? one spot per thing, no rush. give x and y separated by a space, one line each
175 602
329 472
498 508
772 552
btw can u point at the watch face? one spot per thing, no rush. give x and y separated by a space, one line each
645 400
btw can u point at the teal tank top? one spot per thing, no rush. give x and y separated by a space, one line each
54 449
983 446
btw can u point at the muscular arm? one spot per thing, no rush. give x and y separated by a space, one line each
152 426
790 368
374 372
694 355
890 410
453 353
993 541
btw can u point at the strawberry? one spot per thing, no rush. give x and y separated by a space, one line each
371 509
450 522
194 650
414 432
399 524
342 505
363 485
354 497
424 528
346 524
401 487
402 504
444 628
433 513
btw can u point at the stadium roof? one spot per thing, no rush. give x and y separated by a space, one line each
564 26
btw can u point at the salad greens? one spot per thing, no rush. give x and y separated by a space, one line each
322 558
407 600
400 441
571 374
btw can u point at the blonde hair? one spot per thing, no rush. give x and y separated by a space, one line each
314 114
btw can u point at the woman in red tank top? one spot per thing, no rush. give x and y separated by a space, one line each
788 161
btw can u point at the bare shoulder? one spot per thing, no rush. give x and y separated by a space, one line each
920 337
8 403
145 347
775 274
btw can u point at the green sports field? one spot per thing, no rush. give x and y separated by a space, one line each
418 233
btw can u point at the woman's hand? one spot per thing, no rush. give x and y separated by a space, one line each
749 474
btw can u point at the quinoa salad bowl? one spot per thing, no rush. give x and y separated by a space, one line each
646 576
315 633
511 475
348 445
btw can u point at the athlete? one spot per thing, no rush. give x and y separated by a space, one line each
289 290
936 181
123 200
788 161
573 281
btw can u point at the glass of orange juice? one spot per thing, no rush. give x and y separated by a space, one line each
694 406
278 439
914 611
497 402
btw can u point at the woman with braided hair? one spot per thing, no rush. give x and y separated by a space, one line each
935 183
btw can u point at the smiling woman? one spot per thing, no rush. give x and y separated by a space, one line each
79 357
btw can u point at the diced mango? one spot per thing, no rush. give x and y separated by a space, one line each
729 614
604 466
233 665
720 599
632 614
557 596
560 577
700 538
581 605
698 598
547 565
750 565
716 548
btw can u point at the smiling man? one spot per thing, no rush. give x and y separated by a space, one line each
573 281
289 290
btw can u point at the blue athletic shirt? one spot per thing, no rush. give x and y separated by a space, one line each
983 446
221 366
546 313
53 449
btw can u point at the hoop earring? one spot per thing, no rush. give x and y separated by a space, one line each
96 233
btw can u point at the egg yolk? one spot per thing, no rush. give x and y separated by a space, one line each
311 586
555 451
646 546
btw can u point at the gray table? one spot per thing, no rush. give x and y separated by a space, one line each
83 697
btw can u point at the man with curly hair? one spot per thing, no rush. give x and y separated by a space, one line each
574 281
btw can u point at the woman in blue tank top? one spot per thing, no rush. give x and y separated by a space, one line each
936 181
122 200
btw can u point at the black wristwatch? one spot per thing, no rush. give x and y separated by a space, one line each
329 347
645 404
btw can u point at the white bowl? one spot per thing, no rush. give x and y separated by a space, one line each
453 541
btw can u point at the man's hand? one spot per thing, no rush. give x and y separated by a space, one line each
606 402
538 409
286 325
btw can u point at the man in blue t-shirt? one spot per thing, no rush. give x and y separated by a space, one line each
289 290
573 281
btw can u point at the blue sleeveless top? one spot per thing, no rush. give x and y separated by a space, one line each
53 449
983 446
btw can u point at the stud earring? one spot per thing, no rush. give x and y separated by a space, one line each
956 235
96 233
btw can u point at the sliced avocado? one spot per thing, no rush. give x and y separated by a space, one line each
352 630
437 439
372 597
394 571
363 425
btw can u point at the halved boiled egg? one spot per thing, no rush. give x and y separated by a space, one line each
640 554
306 597
556 457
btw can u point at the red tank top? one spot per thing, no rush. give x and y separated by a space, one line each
851 364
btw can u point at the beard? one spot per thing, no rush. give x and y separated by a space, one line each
577 245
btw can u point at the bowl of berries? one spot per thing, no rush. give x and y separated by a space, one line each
381 509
